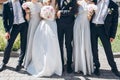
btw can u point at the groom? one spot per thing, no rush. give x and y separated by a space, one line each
65 22
14 23
104 25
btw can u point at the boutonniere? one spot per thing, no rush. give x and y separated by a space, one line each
65 3
68 1
110 10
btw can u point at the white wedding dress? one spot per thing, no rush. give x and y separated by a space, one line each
83 58
33 24
46 58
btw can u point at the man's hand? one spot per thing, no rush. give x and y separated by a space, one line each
111 39
7 36
90 13
59 14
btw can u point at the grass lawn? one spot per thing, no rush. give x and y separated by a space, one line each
115 44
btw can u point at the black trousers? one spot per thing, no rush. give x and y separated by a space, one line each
22 29
67 32
99 31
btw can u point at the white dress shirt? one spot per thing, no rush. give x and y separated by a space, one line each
18 14
101 12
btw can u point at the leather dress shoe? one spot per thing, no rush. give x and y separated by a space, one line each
97 72
18 68
116 72
2 67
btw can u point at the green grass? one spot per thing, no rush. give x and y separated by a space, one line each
116 43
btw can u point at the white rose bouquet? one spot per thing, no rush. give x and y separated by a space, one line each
47 13
25 6
91 8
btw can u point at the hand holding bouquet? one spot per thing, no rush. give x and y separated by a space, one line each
91 8
25 6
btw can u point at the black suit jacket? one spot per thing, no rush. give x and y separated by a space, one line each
111 20
8 15
68 11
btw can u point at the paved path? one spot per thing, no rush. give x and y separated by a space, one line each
106 74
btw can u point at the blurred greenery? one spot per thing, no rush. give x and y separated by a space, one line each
3 41
116 42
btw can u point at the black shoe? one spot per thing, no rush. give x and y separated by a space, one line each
97 72
2 67
18 68
116 72
69 69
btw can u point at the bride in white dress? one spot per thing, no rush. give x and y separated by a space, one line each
82 44
46 58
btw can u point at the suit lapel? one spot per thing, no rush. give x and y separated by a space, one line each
11 6
109 6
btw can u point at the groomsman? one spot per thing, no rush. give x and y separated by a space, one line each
14 23
65 22
104 25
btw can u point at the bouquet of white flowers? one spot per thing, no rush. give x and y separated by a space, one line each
47 13
91 8
25 6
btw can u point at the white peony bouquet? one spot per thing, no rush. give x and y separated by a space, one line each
25 6
91 9
47 13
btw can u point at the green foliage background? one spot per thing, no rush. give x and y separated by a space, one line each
3 41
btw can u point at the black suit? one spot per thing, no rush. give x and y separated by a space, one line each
14 30
105 32
65 27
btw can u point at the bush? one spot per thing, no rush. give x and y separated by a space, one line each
3 41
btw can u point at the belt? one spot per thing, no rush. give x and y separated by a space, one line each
98 24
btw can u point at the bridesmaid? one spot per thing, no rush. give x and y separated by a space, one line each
33 15
82 43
